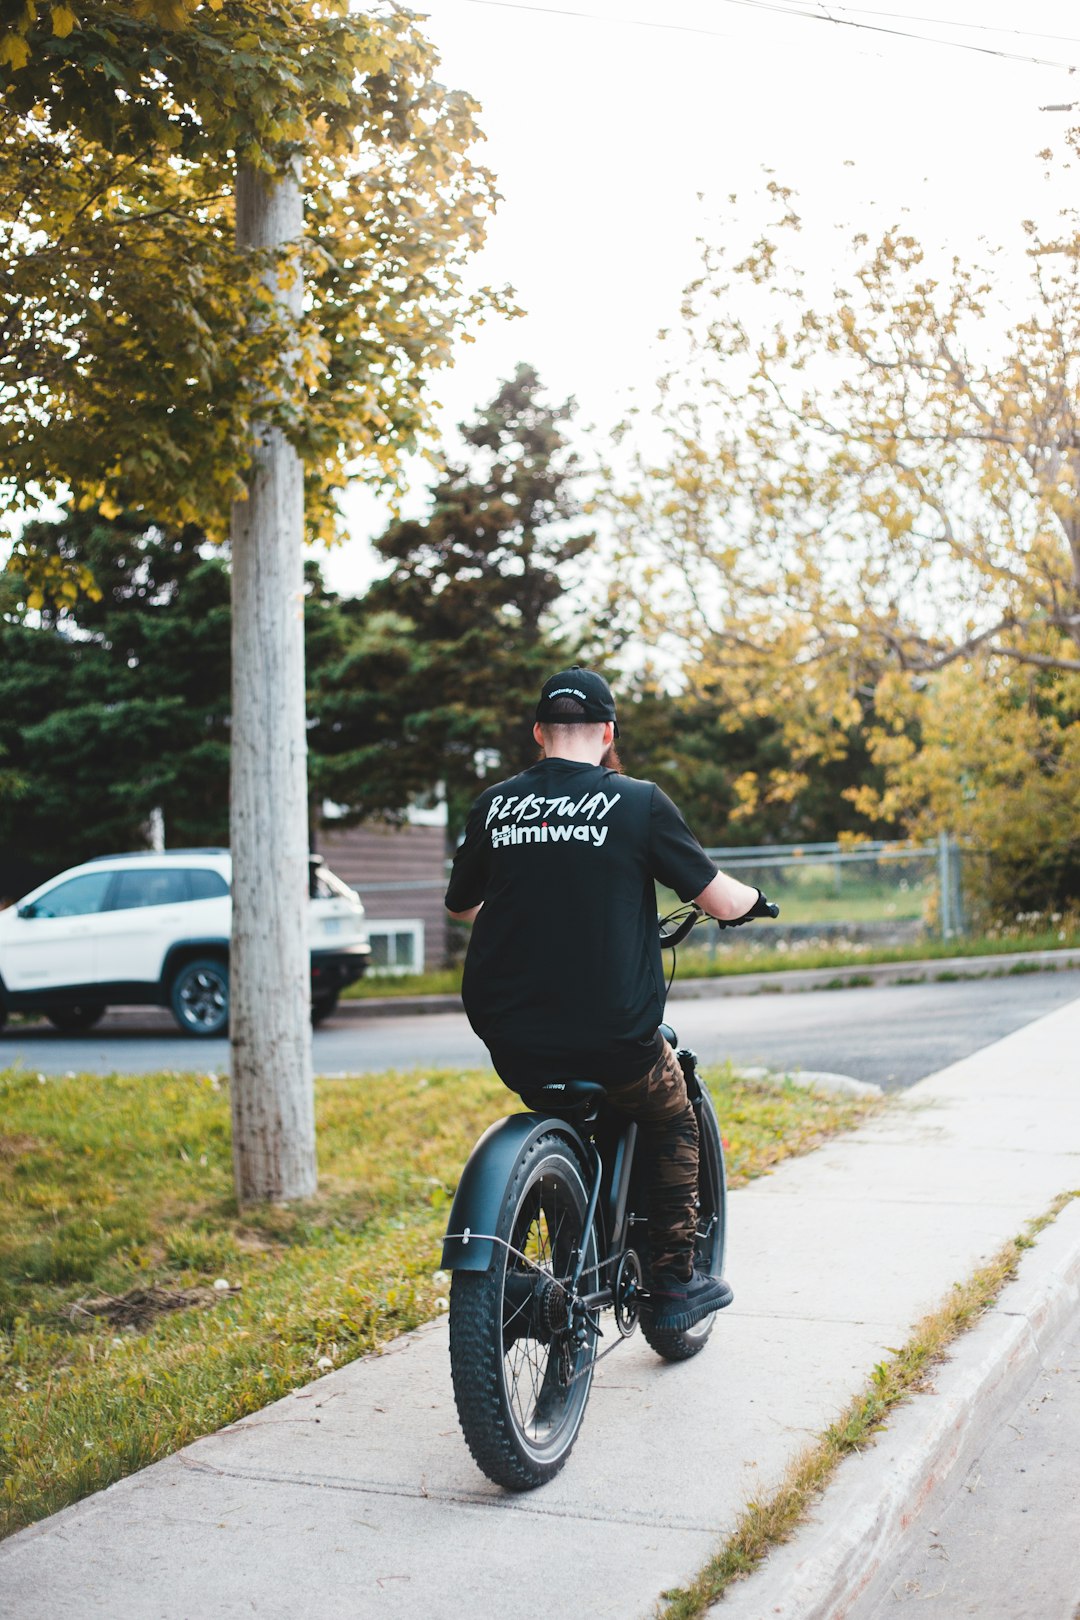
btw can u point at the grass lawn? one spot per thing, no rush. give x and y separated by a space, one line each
747 950
849 905
756 956
812 893
118 1219
440 982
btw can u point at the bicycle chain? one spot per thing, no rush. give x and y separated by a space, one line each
489 1237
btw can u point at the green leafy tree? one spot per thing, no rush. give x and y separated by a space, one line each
452 645
140 343
233 258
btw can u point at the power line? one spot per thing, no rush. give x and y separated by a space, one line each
955 22
785 10
899 33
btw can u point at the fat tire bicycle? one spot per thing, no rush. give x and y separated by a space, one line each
549 1228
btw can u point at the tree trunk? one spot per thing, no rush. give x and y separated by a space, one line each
273 1116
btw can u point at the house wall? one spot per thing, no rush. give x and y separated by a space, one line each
398 872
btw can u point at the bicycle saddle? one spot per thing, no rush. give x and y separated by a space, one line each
564 1095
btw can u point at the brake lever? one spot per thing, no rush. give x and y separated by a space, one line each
692 915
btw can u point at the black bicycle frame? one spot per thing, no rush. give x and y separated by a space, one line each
616 1214
470 1243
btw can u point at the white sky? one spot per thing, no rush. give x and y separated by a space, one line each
602 133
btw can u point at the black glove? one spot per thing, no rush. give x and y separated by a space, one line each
760 908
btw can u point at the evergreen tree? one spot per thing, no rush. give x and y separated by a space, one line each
116 706
451 647
113 708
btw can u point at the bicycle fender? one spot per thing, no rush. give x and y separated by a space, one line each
483 1183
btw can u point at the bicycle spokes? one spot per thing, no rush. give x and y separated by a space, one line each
540 1350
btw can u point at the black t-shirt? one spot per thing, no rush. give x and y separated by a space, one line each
563 977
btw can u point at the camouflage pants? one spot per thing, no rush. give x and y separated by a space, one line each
668 1131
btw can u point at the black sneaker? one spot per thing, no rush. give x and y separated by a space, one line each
677 1304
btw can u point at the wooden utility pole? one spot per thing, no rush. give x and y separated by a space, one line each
273 1115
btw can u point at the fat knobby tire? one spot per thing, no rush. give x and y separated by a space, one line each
476 1335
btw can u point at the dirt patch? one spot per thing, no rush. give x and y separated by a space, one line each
251 1242
16 1147
140 1306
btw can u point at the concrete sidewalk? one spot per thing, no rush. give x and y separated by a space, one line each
356 1496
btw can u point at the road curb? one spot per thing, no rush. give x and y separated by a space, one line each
788 979
396 1006
840 1560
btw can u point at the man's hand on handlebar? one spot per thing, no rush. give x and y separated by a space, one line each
677 924
760 908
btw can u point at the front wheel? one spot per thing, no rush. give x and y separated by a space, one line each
672 1344
200 997
521 1377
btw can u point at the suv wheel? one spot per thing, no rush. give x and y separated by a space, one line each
73 1020
200 997
322 1007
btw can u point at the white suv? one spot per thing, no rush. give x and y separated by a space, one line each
153 929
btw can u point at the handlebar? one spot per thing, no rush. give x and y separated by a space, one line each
680 928
677 924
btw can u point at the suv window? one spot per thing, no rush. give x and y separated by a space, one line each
149 887
76 898
206 885
326 885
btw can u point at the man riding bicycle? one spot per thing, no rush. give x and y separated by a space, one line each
563 977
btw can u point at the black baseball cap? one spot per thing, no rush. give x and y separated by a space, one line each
585 687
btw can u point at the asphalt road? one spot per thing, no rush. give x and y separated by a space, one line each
891 1034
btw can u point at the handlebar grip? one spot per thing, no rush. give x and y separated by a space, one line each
760 908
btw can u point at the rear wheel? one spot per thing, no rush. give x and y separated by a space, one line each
72 1020
200 997
521 1378
672 1344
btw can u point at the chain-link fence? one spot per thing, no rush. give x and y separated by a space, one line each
874 891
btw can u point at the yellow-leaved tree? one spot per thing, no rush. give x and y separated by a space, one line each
991 752
875 484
